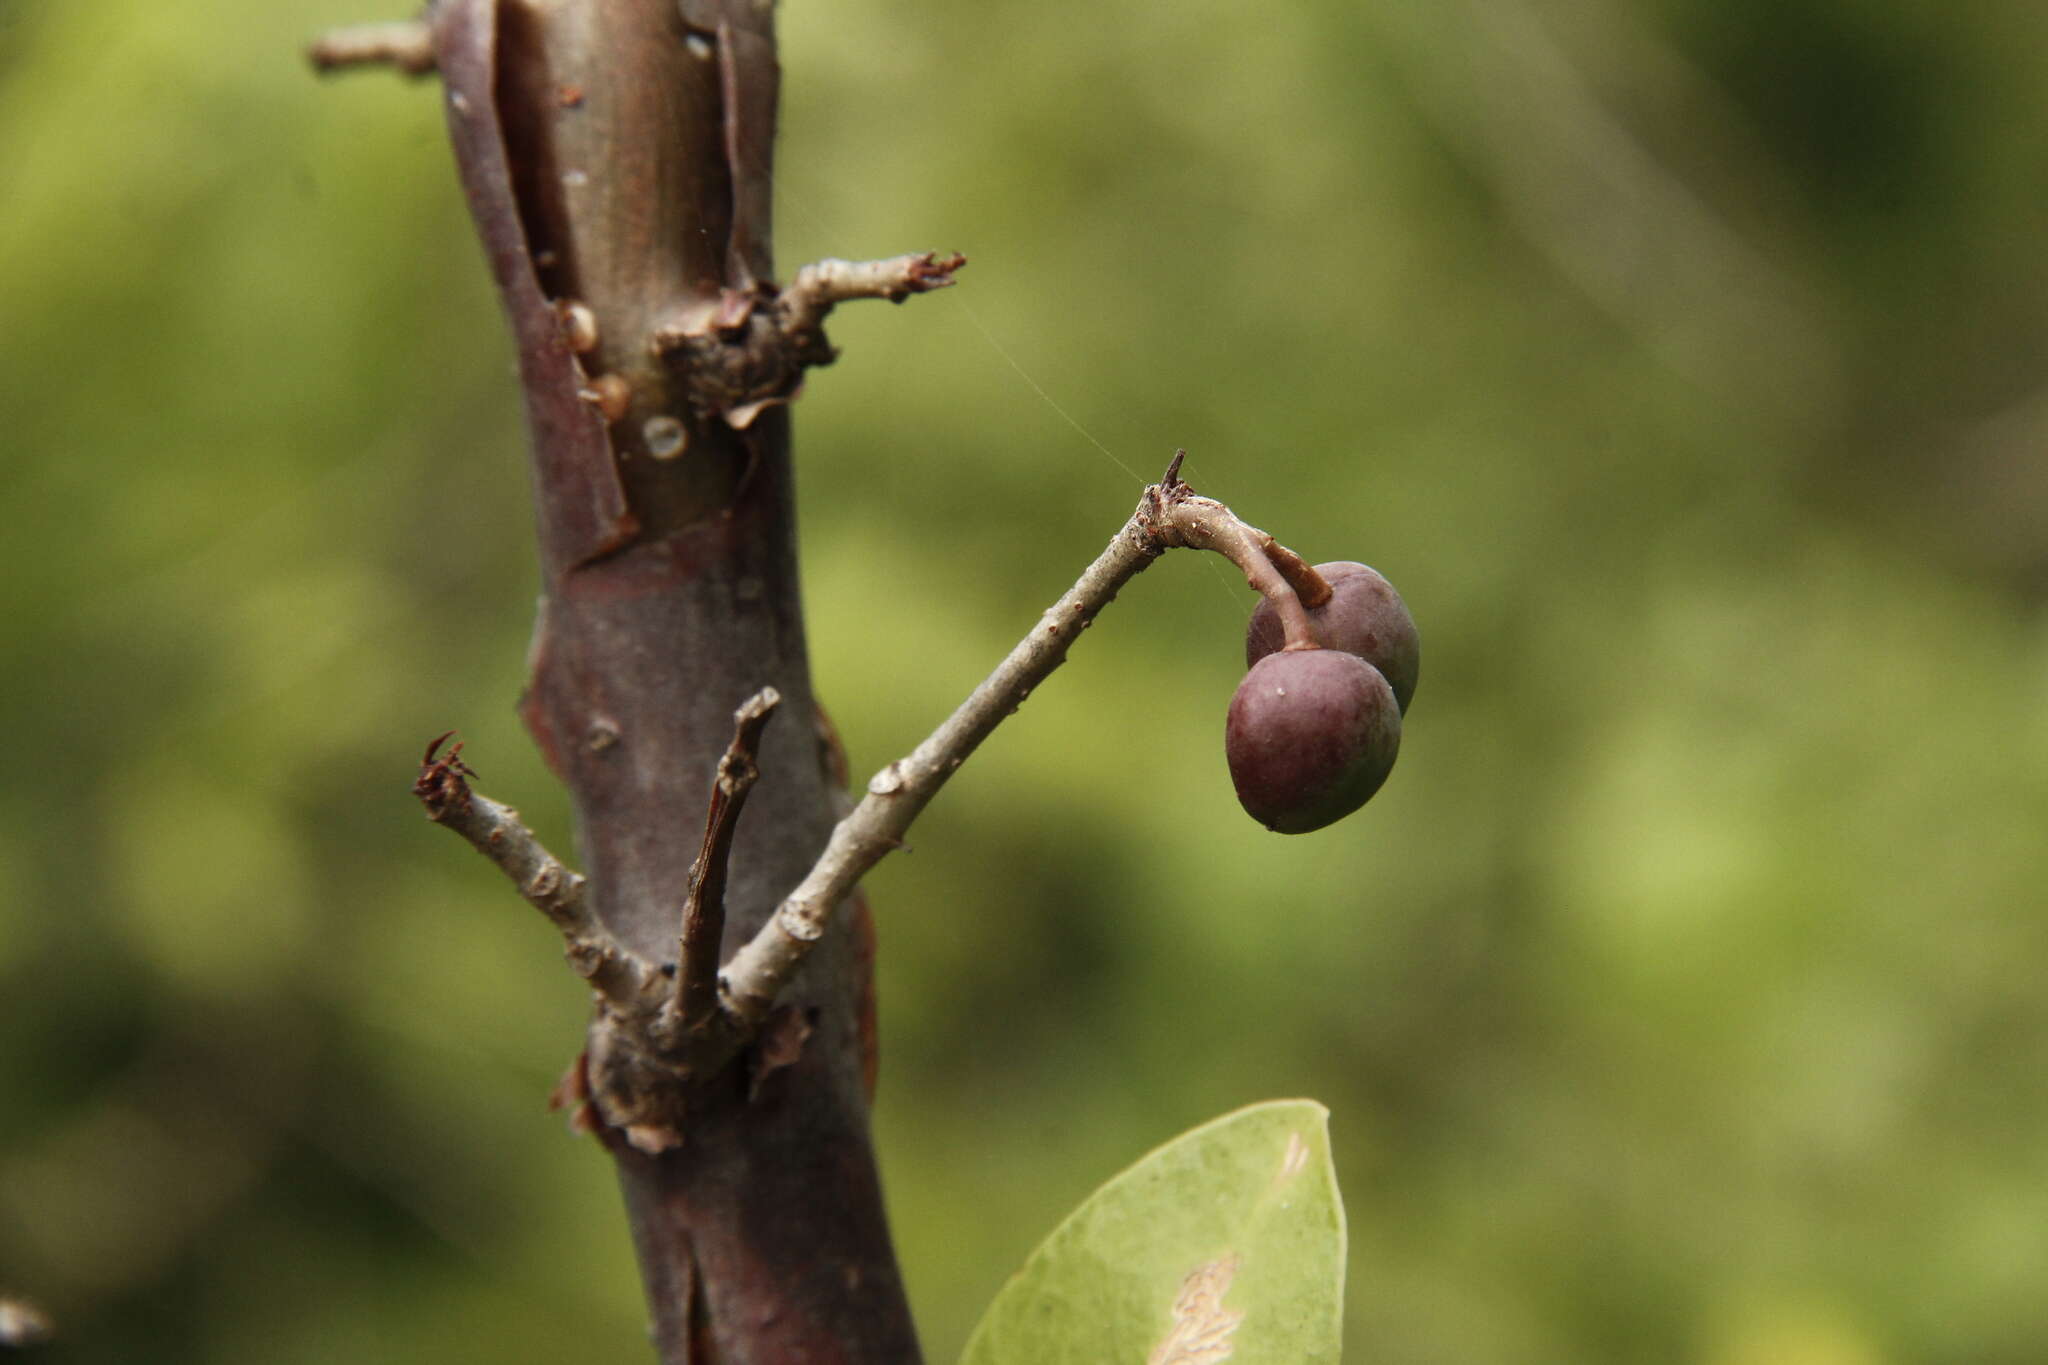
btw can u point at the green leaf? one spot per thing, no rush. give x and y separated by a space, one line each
1225 1244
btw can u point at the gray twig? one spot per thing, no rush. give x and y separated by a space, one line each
755 345
1168 514
497 832
821 285
407 46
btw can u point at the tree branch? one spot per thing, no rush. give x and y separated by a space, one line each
752 346
821 285
407 45
497 832
656 1036
617 157
1168 514
695 998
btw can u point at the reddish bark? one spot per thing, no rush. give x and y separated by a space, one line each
616 153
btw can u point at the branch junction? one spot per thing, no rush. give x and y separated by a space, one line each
657 1025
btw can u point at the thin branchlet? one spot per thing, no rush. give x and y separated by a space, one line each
695 998
1169 514
406 45
497 832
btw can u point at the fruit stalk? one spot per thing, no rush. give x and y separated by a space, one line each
1275 572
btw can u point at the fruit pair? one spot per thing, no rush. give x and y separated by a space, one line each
1313 732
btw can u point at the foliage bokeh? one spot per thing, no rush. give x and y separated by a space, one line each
1681 364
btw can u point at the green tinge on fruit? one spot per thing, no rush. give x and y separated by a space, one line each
1364 616
1311 735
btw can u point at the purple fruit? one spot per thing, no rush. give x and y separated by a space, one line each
1312 734
1364 616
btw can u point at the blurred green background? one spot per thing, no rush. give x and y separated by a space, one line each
1683 363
